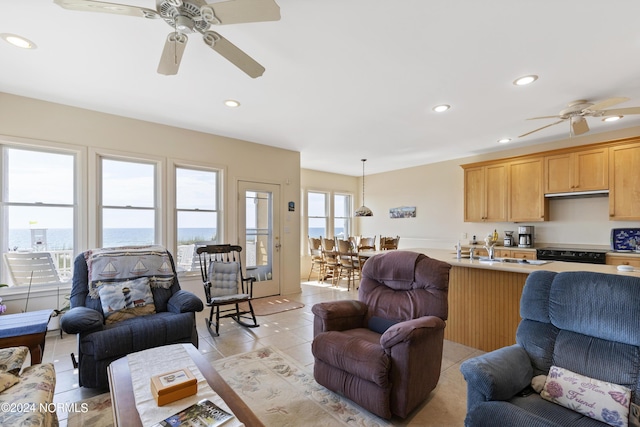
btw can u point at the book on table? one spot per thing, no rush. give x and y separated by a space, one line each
205 413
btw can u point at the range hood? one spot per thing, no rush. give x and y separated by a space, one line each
578 194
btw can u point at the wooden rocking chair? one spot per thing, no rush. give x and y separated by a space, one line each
225 285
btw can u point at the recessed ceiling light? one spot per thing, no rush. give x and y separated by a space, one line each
441 108
504 140
18 41
232 103
611 119
525 80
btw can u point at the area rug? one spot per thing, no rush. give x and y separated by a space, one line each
281 393
93 412
277 389
272 305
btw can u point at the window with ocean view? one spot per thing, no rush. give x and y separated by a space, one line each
328 214
128 203
317 214
38 199
197 199
342 215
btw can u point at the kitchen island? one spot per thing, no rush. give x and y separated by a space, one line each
484 297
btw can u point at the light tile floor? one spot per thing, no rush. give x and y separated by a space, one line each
291 332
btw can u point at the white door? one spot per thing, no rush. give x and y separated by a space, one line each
259 235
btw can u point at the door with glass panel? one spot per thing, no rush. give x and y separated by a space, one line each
259 235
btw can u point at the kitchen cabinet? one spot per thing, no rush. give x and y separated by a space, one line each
623 260
583 170
624 182
525 190
485 193
514 253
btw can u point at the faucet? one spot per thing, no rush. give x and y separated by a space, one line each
491 250
471 251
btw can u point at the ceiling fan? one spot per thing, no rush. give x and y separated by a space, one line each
576 112
188 16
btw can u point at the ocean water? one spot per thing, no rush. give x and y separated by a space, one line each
317 232
62 238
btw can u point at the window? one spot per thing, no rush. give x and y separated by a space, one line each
39 207
342 216
128 203
329 214
317 214
197 216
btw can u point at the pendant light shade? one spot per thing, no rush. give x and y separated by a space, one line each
363 210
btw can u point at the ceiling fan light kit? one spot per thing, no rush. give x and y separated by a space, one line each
189 16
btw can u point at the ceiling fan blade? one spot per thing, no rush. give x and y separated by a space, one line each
607 103
579 125
620 111
545 117
100 6
172 54
543 127
233 54
240 11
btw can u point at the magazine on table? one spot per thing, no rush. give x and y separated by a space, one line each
205 413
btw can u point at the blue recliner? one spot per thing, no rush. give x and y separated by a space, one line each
125 300
586 323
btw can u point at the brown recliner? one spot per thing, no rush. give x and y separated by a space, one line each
384 351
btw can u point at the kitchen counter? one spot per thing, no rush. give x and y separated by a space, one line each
449 256
484 297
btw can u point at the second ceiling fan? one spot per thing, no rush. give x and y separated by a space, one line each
188 16
576 112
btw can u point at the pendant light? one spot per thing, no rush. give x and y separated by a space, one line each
363 210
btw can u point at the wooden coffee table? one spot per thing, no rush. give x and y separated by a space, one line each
123 399
28 329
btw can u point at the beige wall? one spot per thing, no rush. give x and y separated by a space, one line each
29 120
436 190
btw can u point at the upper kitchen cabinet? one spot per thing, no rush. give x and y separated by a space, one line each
624 179
485 193
525 190
577 171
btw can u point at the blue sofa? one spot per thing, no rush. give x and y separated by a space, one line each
99 341
586 323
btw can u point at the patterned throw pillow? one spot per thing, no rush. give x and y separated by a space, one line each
7 380
596 399
12 359
127 299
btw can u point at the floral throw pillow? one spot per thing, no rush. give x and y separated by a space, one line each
126 299
596 399
12 359
7 380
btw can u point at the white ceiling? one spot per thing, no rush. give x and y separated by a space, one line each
345 79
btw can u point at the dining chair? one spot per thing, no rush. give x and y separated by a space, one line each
389 243
367 244
330 257
317 260
349 264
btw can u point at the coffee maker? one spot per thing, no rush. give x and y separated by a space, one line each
525 236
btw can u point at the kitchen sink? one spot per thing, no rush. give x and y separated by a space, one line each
514 261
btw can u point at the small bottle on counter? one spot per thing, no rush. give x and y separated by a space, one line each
474 241
458 250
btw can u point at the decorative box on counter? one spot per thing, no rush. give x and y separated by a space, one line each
172 386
